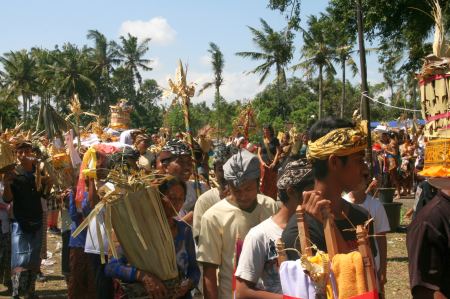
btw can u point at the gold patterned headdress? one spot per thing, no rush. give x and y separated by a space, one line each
339 142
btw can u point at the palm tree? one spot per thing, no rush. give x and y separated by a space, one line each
19 77
343 56
104 57
131 54
217 62
317 56
74 73
276 51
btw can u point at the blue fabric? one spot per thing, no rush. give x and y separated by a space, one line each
77 218
25 248
185 254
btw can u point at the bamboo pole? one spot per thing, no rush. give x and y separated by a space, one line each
366 253
303 232
183 91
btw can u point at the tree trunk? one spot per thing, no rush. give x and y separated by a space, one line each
24 107
218 112
343 89
320 92
365 111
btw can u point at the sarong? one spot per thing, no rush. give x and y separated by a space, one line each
269 182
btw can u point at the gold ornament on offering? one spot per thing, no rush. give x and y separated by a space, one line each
120 115
245 123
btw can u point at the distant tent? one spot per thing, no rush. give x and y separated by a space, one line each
397 124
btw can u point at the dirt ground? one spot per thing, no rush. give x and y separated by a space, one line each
397 272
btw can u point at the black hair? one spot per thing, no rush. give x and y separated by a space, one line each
270 128
170 183
121 159
308 180
320 129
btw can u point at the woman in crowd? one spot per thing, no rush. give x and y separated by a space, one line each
134 282
269 153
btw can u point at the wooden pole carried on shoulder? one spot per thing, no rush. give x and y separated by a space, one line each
366 253
303 232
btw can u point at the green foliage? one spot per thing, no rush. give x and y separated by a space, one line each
289 8
199 117
9 112
100 75
276 52
400 23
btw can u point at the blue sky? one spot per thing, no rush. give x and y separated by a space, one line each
179 29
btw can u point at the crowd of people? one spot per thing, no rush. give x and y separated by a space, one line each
226 207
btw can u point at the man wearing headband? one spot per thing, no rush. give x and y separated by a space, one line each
258 261
228 219
336 152
221 154
26 228
176 159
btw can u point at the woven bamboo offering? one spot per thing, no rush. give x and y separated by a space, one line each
7 157
120 115
134 210
434 80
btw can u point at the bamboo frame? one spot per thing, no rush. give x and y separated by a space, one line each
330 234
303 231
281 250
366 253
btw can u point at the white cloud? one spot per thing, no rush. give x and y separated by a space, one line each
205 60
155 62
157 28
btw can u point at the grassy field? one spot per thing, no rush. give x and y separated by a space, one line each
397 285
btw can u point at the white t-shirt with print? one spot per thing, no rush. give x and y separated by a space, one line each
258 262
380 220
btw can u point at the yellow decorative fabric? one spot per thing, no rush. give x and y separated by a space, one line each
348 271
339 142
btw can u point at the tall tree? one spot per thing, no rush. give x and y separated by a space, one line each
342 40
74 74
218 63
131 52
103 58
19 77
404 21
317 55
276 52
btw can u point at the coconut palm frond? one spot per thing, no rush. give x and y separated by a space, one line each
204 87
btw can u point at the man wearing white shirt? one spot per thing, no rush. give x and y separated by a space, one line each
381 223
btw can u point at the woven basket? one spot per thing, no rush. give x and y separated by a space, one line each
120 118
143 231
7 157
